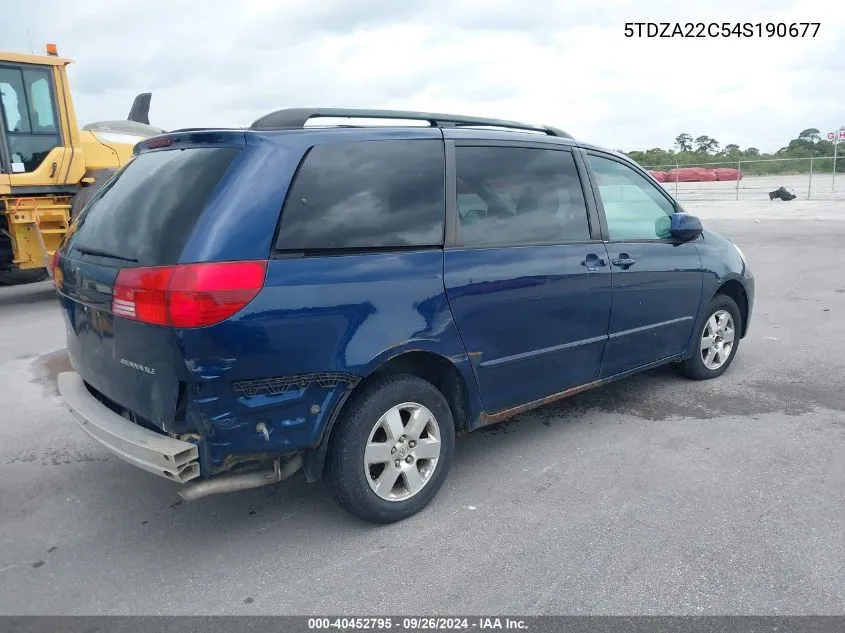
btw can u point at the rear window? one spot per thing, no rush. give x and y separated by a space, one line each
147 211
366 194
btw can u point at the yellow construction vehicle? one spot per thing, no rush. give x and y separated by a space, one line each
49 167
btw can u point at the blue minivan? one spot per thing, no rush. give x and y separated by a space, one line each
243 304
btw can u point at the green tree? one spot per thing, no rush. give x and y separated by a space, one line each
810 134
684 142
656 156
808 144
801 146
705 144
824 148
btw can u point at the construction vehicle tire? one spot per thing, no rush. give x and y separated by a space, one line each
85 194
17 277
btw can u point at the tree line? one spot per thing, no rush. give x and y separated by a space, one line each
689 150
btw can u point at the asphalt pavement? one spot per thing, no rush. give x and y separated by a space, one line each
654 495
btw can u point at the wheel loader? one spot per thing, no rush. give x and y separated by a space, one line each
49 167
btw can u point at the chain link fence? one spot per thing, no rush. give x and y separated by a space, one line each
807 178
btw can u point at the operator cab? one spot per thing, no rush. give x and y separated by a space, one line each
29 123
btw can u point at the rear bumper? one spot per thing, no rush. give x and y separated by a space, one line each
158 454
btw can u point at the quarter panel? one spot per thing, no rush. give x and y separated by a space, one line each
319 325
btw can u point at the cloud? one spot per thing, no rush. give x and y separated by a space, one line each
564 64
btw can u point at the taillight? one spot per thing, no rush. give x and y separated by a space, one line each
187 295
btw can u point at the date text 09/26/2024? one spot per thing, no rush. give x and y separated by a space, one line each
721 29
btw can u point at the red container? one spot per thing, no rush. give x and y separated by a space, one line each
683 174
726 173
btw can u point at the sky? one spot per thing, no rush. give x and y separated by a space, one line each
565 63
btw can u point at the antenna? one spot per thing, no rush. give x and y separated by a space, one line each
29 38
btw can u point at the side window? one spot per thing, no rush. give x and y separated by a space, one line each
519 196
14 101
365 194
40 101
634 208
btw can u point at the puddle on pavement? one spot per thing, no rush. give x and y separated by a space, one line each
659 395
46 368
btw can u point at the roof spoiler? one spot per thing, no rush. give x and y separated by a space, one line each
140 110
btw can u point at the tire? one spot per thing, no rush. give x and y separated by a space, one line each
695 367
367 422
18 277
82 198
84 195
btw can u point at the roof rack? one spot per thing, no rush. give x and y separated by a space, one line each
296 118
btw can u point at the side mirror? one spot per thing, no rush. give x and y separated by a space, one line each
685 227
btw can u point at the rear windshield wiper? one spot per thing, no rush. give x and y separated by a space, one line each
87 250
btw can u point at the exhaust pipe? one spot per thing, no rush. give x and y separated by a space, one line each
234 483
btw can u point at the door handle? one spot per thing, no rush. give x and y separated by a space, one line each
624 261
593 262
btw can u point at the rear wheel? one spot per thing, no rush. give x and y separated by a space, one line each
716 342
391 450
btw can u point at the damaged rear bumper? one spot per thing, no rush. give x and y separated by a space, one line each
156 453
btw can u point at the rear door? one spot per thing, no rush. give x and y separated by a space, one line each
657 281
141 218
527 276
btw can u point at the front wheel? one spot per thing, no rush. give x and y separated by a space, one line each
391 450
716 342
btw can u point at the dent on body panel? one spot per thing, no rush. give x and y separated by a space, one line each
209 368
263 417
